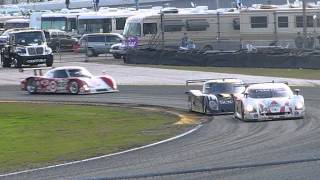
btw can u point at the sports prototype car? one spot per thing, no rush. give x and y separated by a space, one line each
268 101
216 97
68 79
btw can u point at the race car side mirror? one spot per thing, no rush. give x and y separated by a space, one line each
245 95
297 91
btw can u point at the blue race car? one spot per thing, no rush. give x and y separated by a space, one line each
216 97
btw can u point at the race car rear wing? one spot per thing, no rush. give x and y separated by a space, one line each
36 71
194 81
284 82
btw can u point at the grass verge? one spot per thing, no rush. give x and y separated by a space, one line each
287 73
34 135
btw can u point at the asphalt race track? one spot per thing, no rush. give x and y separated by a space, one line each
223 148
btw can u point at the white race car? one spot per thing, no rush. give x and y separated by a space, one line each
268 101
68 79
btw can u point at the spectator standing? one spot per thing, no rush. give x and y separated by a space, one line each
96 5
184 40
299 41
67 2
309 42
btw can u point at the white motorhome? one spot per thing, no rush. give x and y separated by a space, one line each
209 29
65 20
103 21
265 24
106 20
16 23
6 18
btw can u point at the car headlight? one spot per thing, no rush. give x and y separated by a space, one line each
86 87
48 50
299 105
20 51
249 108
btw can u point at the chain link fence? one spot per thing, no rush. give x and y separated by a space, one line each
71 50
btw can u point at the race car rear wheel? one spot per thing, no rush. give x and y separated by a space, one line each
73 87
31 86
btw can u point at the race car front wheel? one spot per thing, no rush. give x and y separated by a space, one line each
32 86
74 87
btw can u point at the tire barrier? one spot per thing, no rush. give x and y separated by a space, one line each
305 60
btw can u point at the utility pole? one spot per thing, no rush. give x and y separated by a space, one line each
217 4
162 30
137 4
304 19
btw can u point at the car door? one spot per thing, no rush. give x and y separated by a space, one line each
69 42
111 40
54 43
97 43
107 43
62 41
59 82
65 41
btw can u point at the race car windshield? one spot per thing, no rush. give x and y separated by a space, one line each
79 73
225 88
269 93
29 38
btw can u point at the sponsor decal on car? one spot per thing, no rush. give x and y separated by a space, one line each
226 101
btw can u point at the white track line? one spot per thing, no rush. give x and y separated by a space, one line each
104 156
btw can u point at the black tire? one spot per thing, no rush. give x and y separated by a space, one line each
91 53
205 111
49 61
190 106
117 56
31 86
125 59
73 87
242 112
17 63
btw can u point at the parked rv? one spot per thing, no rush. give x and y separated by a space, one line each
207 28
16 23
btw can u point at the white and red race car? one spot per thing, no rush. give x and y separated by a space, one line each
268 101
68 79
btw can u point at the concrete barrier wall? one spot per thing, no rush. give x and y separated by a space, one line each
239 59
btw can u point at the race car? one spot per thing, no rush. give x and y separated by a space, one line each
269 101
216 97
68 79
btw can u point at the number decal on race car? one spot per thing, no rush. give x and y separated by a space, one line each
44 82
